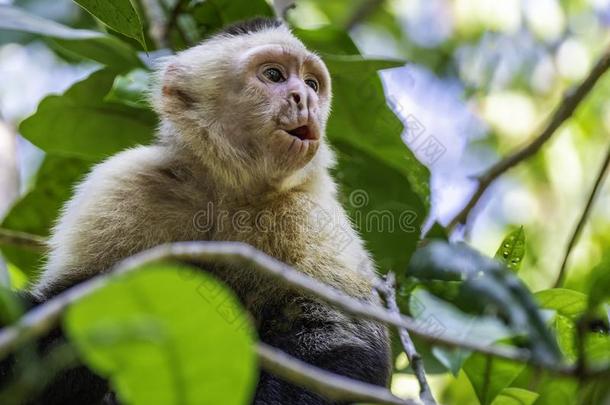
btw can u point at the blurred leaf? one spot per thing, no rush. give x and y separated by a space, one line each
37 210
90 44
11 306
599 290
569 303
211 15
167 334
119 15
388 218
365 133
490 376
131 89
79 123
442 318
512 249
488 285
597 348
515 396
328 40
565 330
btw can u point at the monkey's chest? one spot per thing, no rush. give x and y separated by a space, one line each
315 240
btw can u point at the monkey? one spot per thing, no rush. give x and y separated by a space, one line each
241 154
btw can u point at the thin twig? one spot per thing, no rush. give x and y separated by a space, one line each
9 237
388 290
43 318
566 108
330 385
583 219
367 8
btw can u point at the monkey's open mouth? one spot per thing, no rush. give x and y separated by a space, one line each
303 133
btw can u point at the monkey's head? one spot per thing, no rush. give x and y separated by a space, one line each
253 102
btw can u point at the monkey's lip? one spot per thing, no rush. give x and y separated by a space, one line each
303 132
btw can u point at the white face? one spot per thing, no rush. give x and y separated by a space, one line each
278 105
264 96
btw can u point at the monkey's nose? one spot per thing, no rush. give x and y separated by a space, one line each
298 99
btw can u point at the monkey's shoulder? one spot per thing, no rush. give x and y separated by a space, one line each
136 199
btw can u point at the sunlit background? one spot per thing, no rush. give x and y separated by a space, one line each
481 78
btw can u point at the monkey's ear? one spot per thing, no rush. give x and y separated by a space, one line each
174 97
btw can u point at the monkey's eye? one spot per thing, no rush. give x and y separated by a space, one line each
313 84
274 75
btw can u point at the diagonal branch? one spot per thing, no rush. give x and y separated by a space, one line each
388 290
9 237
43 318
583 219
330 385
566 108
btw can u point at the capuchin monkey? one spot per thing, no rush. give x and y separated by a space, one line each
241 156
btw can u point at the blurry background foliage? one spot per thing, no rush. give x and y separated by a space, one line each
468 80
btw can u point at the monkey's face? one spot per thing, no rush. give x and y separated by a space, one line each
278 107
255 104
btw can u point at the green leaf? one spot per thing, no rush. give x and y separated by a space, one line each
442 318
361 118
131 89
512 249
487 285
599 290
79 123
211 15
515 396
328 40
120 15
11 306
366 134
388 218
37 210
569 303
167 334
490 376
89 44
565 330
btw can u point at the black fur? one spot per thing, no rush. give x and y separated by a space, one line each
251 26
75 386
326 338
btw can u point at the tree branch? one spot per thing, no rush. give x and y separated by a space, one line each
330 385
21 239
388 290
43 318
583 219
564 110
